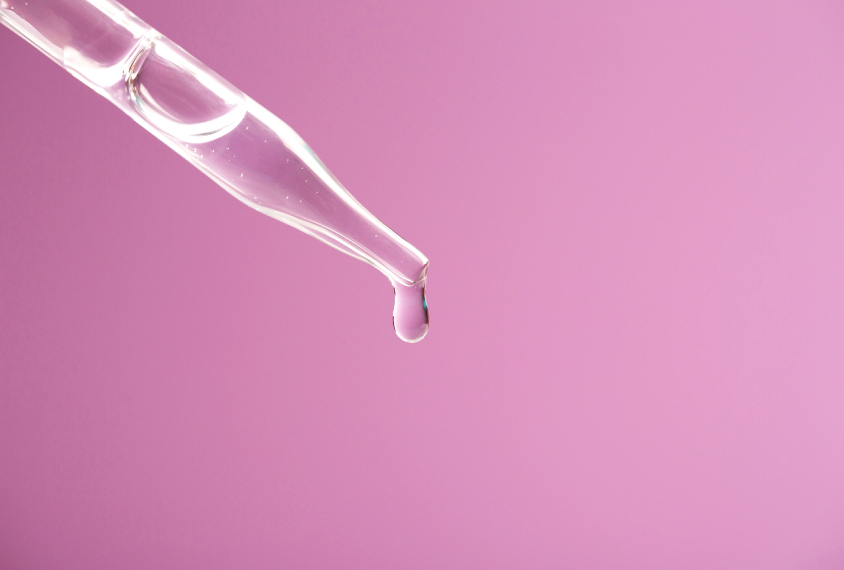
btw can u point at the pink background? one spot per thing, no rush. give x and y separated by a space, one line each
635 219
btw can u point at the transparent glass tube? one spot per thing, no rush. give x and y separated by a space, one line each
237 143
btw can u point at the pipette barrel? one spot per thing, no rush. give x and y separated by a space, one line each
240 145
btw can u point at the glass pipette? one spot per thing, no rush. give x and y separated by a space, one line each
237 143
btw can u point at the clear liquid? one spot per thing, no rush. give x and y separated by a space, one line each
410 313
240 145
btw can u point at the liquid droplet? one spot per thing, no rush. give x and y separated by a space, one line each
410 313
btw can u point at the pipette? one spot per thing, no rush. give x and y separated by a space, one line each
237 143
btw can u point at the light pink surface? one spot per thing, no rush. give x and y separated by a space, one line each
635 219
